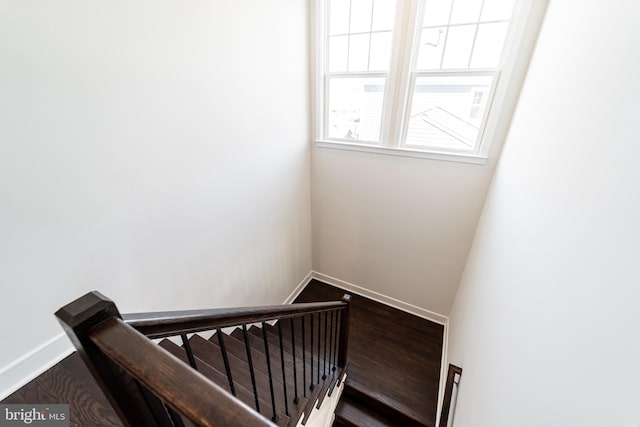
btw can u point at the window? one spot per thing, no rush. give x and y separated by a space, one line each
358 62
411 75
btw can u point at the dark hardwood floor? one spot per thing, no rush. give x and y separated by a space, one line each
394 360
70 382
392 380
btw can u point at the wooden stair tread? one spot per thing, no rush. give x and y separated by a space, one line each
238 364
273 332
210 352
329 371
275 353
236 346
381 404
203 367
242 393
351 413
256 342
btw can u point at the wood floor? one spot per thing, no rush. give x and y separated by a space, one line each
70 382
393 374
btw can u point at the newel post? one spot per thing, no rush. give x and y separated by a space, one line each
344 332
78 319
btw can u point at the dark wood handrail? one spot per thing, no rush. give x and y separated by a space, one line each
167 323
184 389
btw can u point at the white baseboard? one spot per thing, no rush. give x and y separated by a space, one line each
444 369
299 288
384 299
34 363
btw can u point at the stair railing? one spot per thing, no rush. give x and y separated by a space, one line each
453 379
148 386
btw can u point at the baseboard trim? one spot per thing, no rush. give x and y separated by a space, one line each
294 294
443 372
26 368
383 299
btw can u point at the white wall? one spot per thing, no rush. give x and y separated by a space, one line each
546 322
154 150
395 225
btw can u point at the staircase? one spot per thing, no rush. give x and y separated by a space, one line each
294 398
256 366
248 366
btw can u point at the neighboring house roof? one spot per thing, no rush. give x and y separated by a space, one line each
439 127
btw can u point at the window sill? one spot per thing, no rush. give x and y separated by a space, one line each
403 152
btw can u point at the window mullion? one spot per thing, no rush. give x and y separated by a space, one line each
446 37
475 35
397 88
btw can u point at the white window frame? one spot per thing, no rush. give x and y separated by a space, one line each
355 75
501 99
404 123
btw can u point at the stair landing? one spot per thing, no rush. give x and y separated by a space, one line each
394 362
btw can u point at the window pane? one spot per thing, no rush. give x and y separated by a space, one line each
338 53
459 44
436 12
384 13
380 51
431 48
489 43
446 112
465 11
338 17
358 52
361 15
494 10
355 108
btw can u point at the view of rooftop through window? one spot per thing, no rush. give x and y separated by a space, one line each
454 56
